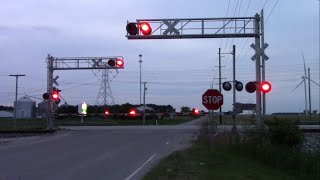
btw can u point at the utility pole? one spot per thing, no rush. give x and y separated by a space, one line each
220 78
144 102
258 70
309 83
263 69
140 61
220 109
17 77
234 128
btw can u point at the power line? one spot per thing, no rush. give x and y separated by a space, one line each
234 13
226 16
272 10
247 8
264 4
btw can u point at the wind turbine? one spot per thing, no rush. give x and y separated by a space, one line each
304 78
305 85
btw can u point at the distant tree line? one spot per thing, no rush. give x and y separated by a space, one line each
6 108
124 108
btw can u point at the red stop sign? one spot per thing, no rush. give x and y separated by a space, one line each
212 99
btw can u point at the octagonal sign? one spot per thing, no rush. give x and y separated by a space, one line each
212 99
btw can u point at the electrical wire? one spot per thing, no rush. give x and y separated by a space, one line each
275 4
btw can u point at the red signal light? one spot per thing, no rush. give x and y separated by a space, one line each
107 113
226 86
145 28
132 113
239 86
119 63
265 87
111 62
251 87
46 96
196 111
132 28
55 95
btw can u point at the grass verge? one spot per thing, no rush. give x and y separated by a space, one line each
116 122
209 161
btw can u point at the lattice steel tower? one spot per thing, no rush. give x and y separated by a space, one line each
105 93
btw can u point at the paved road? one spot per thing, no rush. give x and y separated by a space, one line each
89 153
120 153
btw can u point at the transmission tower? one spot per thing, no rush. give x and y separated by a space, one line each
105 94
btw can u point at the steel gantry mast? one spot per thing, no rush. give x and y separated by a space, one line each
188 28
75 63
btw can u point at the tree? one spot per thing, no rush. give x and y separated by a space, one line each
185 109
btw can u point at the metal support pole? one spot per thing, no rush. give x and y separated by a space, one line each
16 98
258 72
234 127
105 78
220 109
309 83
144 102
263 67
140 61
50 115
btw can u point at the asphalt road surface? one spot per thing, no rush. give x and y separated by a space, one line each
120 153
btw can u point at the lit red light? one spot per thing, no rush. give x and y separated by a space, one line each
265 87
106 113
119 63
145 28
132 112
55 95
196 111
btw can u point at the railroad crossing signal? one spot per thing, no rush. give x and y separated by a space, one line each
265 87
252 86
145 28
55 80
132 29
56 95
259 51
181 28
106 112
132 112
227 86
116 63
171 29
96 63
212 99
195 111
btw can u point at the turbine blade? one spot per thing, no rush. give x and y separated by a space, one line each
315 82
298 85
304 65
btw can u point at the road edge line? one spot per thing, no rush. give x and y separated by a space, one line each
139 168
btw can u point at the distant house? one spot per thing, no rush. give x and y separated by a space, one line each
6 114
140 108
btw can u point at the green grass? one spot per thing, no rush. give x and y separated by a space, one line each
115 122
250 119
217 162
4 129
89 121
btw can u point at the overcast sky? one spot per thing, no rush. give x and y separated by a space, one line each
177 71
